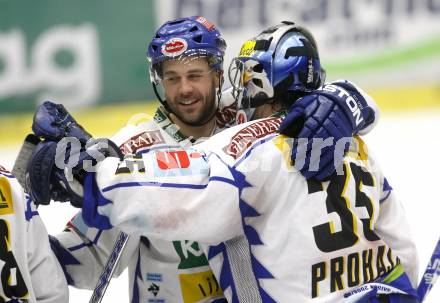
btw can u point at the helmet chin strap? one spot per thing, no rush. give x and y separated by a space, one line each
162 101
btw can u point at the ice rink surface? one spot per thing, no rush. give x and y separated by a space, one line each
408 147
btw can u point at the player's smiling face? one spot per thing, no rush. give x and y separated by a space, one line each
189 85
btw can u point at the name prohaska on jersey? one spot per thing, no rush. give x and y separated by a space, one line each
351 270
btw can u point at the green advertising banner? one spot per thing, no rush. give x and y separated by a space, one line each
82 53
79 52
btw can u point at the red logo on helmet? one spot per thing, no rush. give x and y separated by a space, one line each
174 47
205 23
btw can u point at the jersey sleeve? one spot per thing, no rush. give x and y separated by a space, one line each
28 265
174 195
393 228
47 277
83 252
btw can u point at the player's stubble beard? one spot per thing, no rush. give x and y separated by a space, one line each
206 113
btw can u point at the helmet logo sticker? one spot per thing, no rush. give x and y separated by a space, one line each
310 70
205 23
248 49
174 47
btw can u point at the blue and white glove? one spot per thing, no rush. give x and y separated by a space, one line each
53 122
324 122
56 170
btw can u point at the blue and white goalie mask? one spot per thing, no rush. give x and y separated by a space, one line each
250 83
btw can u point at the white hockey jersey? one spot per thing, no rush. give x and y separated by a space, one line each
296 241
29 269
159 271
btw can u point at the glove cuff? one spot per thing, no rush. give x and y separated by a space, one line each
38 172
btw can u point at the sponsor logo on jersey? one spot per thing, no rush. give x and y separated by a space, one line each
174 47
205 23
154 288
248 49
199 286
172 159
378 288
179 163
190 253
241 141
141 141
131 164
197 280
154 276
6 206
